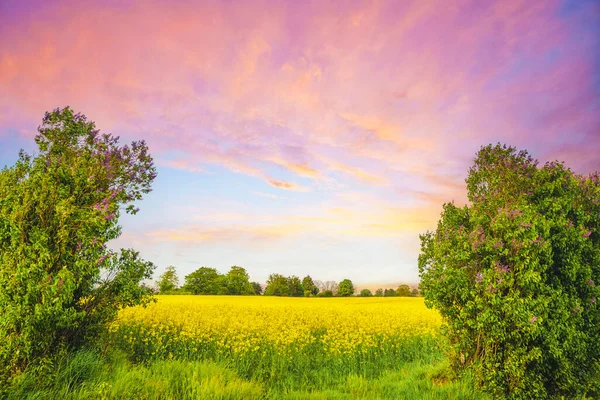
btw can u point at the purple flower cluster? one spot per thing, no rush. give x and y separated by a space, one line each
102 259
109 216
593 300
587 234
539 240
479 277
503 269
533 319
515 213
477 237
591 283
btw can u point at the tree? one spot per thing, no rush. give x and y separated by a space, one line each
345 288
277 285
327 285
295 286
309 286
205 280
237 281
379 292
325 293
365 293
58 209
403 291
389 293
257 288
514 275
415 292
168 281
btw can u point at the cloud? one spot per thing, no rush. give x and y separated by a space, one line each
285 185
375 109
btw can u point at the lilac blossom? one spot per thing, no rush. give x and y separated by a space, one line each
479 277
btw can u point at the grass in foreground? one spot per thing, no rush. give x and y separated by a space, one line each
86 375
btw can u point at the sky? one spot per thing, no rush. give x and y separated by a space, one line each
305 137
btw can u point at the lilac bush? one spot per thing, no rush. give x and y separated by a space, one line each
59 283
513 273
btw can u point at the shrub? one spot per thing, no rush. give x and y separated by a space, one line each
514 275
60 284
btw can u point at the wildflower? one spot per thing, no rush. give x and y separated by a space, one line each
587 234
576 309
591 283
533 319
593 300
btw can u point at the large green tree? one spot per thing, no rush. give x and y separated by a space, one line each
310 289
59 283
514 274
295 286
345 288
277 285
237 281
403 291
205 280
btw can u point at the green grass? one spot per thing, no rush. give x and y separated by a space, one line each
87 375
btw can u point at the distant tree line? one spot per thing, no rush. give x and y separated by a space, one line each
402 291
209 281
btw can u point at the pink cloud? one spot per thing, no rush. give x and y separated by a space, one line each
378 91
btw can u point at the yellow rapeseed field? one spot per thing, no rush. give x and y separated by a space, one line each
236 327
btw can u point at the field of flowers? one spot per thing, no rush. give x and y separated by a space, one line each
273 338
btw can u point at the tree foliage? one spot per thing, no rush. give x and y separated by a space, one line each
326 293
514 275
59 282
403 291
309 286
237 281
365 293
204 280
295 286
209 281
169 280
345 288
257 288
277 285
